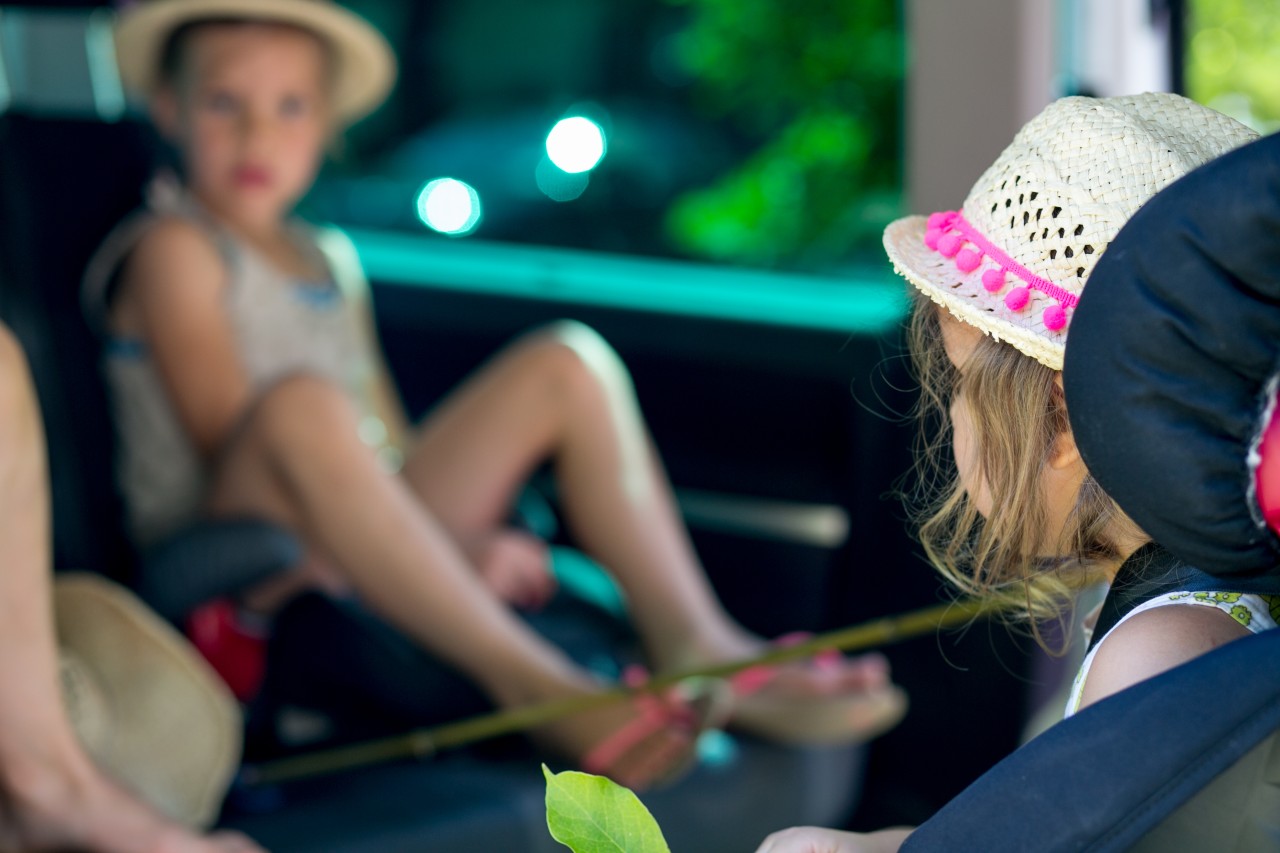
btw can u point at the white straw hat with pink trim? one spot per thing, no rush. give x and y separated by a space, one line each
1014 260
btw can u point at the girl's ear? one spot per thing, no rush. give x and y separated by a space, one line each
165 112
1065 453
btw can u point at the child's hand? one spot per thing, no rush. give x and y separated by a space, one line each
515 566
812 839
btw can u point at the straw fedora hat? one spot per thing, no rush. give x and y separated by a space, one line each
365 64
146 707
1015 258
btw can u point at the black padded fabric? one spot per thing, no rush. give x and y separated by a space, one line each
210 559
63 185
1170 348
1102 779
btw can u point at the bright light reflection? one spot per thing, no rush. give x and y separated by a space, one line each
449 206
576 144
558 185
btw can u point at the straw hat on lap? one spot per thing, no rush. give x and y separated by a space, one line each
145 705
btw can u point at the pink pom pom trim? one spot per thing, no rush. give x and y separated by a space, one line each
948 232
949 244
1017 298
1054 318
968 260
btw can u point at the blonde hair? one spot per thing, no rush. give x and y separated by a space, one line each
1018 413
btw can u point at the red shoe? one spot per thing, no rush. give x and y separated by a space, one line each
236 651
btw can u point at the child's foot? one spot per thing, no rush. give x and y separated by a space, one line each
850 701
828 699
646 741
45 810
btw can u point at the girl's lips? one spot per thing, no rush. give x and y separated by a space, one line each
251 176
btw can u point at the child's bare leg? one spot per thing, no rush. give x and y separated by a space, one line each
564 394
298 461
51 795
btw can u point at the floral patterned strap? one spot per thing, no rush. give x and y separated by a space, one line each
1257 613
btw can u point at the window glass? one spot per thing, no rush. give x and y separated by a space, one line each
749 132
1233 59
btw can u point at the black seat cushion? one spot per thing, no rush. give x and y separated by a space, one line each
63 185
1102 779
1174 340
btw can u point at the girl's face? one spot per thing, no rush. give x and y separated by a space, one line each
250 114
959 340
1062 471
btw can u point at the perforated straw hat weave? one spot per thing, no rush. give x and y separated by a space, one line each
1015 258
365 66
144 704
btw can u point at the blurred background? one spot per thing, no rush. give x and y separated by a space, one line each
745 132
705 182
748 132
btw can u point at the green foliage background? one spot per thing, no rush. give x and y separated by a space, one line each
819 85
1233 59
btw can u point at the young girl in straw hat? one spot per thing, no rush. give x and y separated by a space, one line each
52 795
247 381
1022 518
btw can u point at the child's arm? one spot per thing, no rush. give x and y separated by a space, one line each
341 254
1154 641
812 839
172 296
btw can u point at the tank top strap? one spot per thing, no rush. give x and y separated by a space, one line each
337 254
164 199
1152 571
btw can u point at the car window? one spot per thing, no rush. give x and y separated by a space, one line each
746 132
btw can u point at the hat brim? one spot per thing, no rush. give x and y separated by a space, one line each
964 295
365 64
161 722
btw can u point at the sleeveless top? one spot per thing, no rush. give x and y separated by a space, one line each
1257 611
282 327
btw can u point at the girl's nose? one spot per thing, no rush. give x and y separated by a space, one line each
255 128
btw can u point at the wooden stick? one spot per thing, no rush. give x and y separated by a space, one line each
423 743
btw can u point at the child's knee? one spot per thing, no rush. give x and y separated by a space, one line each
578 355
14 376
13 363
299 401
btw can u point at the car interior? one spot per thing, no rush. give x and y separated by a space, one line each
779 398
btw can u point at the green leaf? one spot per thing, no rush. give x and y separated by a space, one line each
591 814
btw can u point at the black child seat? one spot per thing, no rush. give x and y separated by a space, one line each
64 181
1165 766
